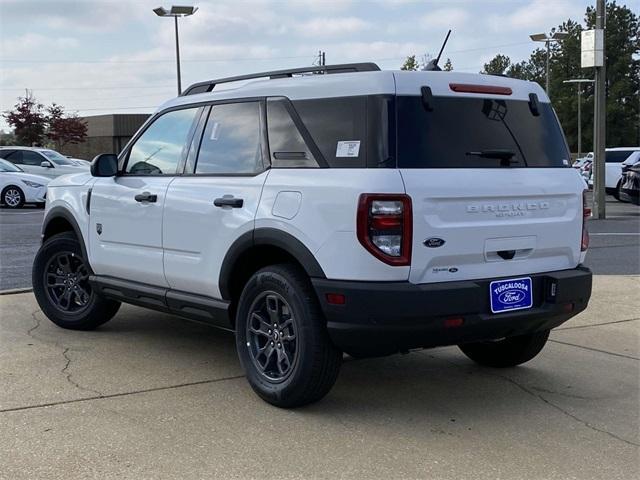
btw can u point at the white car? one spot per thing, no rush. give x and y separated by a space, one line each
18 187
615 157
360 211
42 161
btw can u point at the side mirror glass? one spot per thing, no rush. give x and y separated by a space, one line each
46 164
104 165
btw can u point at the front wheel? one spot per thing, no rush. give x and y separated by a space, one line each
282 340
60 278
507 352
12 197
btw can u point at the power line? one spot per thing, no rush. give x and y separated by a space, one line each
246 59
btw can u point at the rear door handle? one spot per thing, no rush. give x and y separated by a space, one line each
146 197
228 201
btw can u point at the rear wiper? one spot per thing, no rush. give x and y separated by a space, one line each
505 156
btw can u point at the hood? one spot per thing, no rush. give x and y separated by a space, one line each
71 179
28 176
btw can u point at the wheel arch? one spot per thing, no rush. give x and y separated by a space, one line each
59 220
258 248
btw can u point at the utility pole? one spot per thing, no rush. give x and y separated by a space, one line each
547 39
599 127
178 56
321 58
579 82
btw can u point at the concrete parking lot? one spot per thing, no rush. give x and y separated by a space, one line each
151 396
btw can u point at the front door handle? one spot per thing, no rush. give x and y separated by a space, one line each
146 197
228 201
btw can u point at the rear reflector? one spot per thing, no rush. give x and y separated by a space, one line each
453 322
471 88
336 299
586 213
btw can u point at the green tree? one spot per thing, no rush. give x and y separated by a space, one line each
410 63
498 65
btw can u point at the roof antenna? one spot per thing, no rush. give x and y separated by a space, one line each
433 64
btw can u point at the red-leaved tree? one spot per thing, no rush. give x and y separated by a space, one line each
64 129
28 120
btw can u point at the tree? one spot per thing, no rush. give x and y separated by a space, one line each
498 65
448 66
65 129
622 39
28 120
410 63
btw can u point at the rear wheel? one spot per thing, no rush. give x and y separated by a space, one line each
60 278
12 197
507 352
281 338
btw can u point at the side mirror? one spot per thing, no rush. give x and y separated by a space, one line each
46 164
104 165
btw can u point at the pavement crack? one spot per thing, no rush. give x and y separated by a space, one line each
562 410
596 324
65 371
35 326
121 394
622 355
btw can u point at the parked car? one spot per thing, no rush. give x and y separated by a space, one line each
18 187
79 161
360 211
41 161
630 184
582 160
613 169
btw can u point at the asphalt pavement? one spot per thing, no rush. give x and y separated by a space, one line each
614 250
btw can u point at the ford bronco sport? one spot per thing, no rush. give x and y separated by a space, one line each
328 210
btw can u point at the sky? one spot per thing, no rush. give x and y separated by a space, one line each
104 56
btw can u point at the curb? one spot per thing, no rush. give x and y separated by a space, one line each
13 291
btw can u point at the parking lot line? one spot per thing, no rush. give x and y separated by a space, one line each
613 233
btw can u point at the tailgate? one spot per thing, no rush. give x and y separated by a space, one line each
498 222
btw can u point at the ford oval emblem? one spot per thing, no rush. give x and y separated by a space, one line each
511 296
433 242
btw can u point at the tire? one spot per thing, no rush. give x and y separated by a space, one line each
12 197
78 308
616 193
294 364
508 352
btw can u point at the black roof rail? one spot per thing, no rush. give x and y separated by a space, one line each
209 85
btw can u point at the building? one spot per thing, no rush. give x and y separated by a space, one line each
106 134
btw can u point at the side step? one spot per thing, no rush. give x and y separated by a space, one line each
188 305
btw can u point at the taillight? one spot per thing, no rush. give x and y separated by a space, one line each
586 213
385 227
472 88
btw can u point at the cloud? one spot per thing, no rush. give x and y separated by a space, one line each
538 15
331 27
454 18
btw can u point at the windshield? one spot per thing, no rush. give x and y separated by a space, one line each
6 166
57 158
478 133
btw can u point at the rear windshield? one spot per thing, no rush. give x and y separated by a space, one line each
478 133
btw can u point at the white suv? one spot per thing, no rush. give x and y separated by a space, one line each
42 161
328 210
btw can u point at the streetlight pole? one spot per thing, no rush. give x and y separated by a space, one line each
543 37
579 82
175 12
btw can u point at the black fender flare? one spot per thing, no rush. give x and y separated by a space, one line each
61 212
271 237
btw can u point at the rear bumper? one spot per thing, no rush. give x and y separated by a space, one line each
386 317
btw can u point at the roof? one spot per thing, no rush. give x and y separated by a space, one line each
364 83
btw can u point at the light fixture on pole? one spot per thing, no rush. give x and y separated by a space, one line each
543 37
579 82
175 12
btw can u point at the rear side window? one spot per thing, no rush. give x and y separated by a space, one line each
288 148
231 140
477 133
25 157
161 147
338 127
617 156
